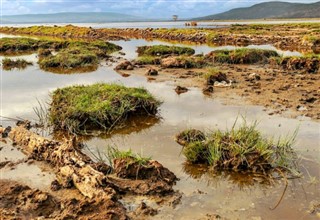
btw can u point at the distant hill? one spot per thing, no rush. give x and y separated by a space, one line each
81 17
274 9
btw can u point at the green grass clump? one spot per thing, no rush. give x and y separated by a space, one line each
98 106
242 56
17 45
77 55
114 153
242 149
70 58
147 60
160 50
9 64
72 55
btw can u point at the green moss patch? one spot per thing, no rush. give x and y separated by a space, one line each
9 64
160 50
240 149
242 56
99 106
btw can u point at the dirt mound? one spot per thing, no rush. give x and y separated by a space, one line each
310 65
93 180
21 202
17 201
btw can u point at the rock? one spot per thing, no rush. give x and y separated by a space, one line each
144 210
130 67
179 90
55 185
1 130
173 62
219 77
124 65
6 132
254 76
152 72
208 90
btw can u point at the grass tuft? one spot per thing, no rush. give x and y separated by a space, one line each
98 106
242 56
242 149
9 64
160 50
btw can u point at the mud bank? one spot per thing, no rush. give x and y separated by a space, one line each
100 185
288 36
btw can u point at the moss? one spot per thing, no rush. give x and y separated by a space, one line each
242 148
160 50
9 64
99 106
242 56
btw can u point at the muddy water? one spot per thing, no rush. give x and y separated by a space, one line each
234 197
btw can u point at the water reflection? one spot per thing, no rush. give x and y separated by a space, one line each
132 125
213 177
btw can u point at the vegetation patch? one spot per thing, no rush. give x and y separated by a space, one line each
71 55
242 56
17 45
147 60
160 50
184 62
98 106
76 55
239 149
309 64
9 64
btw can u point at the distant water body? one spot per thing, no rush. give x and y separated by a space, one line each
172 24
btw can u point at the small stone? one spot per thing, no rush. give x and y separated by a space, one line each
152 72
179 90
208 90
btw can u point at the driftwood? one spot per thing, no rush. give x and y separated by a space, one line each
74 168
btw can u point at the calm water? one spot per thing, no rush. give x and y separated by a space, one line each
230 196
168 24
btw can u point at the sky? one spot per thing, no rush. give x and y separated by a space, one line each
142 8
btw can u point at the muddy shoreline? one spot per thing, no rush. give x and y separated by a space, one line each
282 36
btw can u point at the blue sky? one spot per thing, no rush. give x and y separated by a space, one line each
144 8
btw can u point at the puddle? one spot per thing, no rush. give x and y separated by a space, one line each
21 91
129 47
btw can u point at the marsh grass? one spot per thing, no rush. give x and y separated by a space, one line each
78 55
70 54
160 50
9 64
147 60
242 56
99 106
242 149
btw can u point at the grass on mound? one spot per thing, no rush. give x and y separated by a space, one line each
9 64
15 45
70 58
71 54
147 60
160 50
77 55
98 106
242 56
239 149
